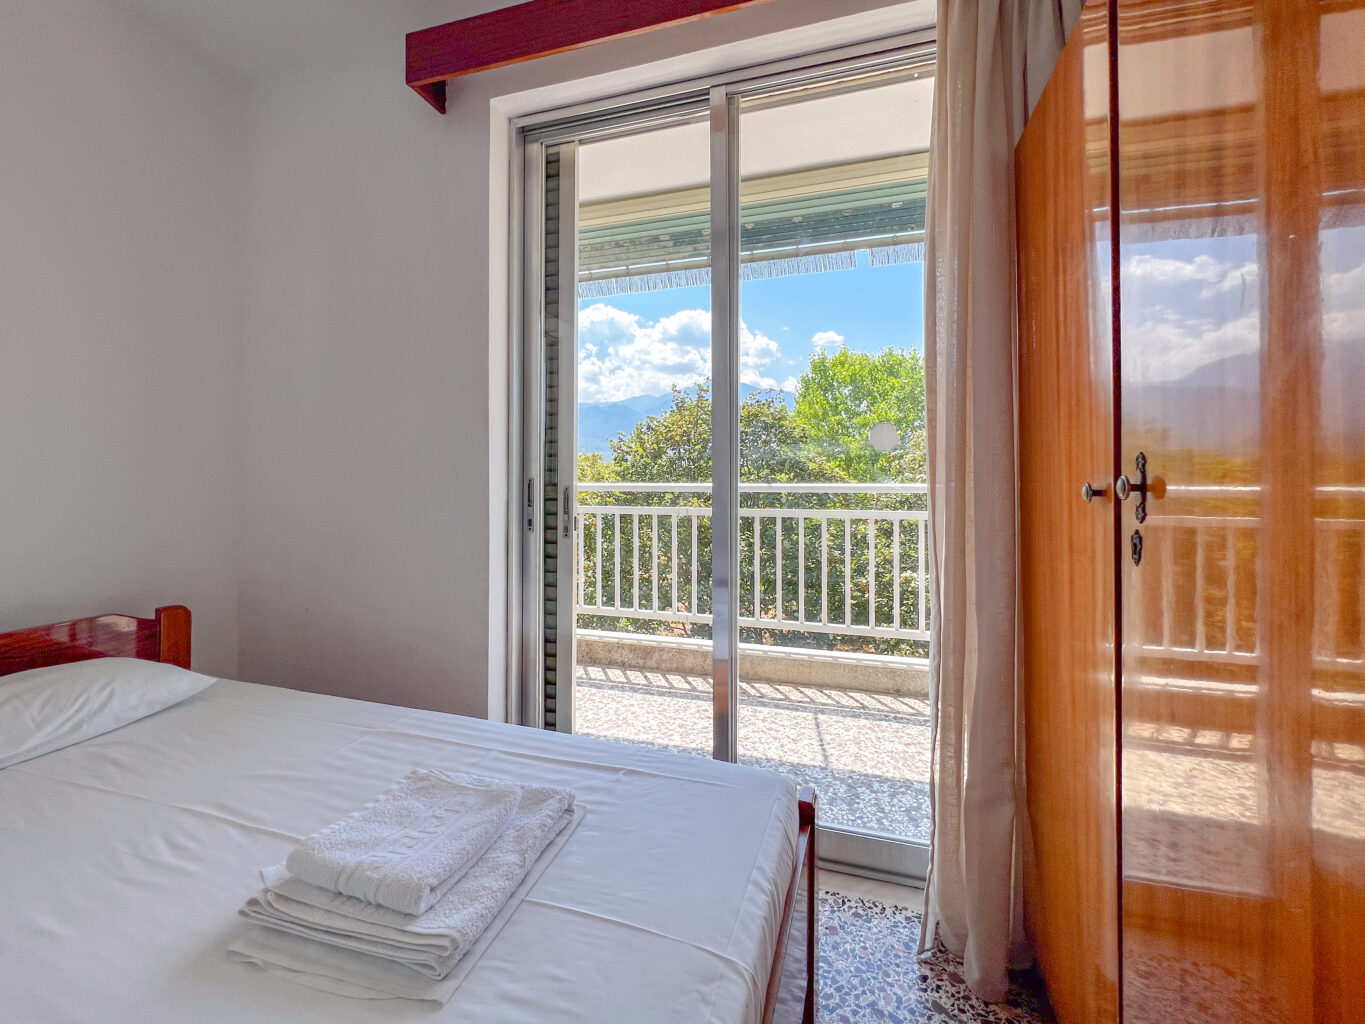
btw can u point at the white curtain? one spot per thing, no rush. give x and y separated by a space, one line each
994 57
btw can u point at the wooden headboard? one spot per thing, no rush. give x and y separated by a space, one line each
164 638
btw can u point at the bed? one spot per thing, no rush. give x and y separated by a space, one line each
685 893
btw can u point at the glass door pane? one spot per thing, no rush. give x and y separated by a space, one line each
833 610
767 483
643 449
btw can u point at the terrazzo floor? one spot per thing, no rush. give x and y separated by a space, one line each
870 974
868 757
866 754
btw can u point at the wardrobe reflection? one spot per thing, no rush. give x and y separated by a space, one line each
1242 281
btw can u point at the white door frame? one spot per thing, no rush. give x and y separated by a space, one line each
853 850
566 437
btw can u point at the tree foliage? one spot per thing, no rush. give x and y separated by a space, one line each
842 395
593 469
825 438
674 446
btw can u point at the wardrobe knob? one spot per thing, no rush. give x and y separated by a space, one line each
1122 488
1089 493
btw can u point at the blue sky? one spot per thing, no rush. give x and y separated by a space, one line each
641 343
1191 302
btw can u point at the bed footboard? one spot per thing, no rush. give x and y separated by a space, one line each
791 996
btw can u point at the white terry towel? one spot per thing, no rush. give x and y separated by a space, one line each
429 942
314 962
405 849
433 942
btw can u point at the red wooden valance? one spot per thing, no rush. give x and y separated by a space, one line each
536 29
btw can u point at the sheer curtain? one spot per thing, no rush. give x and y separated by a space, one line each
994 57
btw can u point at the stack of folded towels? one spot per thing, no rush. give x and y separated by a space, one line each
388 901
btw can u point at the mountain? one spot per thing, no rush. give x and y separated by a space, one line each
599 422
1218 405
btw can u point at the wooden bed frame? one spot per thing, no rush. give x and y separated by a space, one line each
791 984
791 994
164 638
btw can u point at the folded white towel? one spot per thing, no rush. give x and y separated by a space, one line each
405 849
432 942
321 965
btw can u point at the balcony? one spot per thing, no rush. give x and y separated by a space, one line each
866 753
644 553
834 617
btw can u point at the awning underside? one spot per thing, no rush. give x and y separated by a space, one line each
801 222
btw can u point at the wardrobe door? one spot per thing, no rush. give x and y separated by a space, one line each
1067 545
1242 278
1338 578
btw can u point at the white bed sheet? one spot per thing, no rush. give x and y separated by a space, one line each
124 858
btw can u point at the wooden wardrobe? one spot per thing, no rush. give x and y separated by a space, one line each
1191 232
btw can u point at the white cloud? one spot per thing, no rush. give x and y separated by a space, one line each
1168 271
621 355
1344 290
827 340
756 351
1343 304
1175 341
789 385
1234 279
1171 350
1173 344
1218 278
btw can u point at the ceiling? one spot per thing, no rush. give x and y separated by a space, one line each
263 38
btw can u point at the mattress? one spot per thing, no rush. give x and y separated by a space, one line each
126 856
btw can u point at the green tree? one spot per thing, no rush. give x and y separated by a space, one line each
843 394
825 439
593 469
673 446
676 445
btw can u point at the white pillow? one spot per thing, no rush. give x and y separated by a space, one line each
45 709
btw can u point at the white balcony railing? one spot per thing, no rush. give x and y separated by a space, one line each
1203 549
810 564
805 566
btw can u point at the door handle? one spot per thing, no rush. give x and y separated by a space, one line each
1123 487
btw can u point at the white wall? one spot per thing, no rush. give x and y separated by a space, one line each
121 172
375 374
366 526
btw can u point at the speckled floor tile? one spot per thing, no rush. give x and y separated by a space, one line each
866 754
869 972
868 757
897 894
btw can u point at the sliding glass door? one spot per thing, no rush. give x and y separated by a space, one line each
724 529
625 524
832 597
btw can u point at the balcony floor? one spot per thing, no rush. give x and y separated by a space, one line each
866 754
